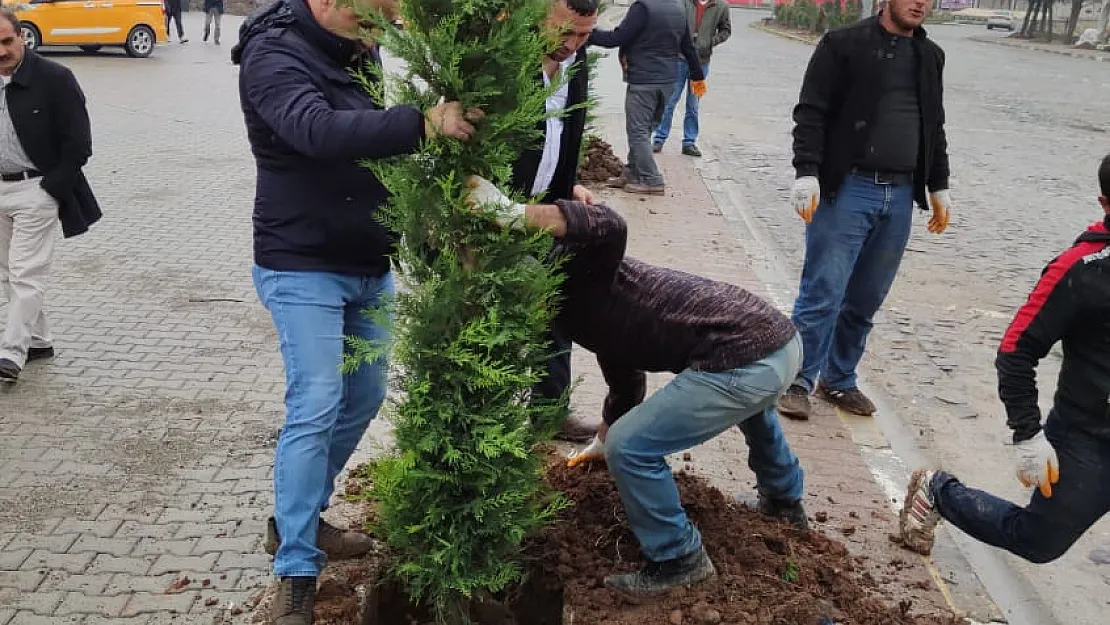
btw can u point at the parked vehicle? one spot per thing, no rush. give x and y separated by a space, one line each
135 25
1002 19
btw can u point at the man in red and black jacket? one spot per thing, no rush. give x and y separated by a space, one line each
1068 459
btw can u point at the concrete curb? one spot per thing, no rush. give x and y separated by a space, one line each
782 33
1075 54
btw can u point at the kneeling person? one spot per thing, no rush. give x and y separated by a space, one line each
733 354
1069 458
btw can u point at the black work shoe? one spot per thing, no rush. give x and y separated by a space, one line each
656 148
794 403
576 430
295 599
851 400
337 544
691 150
9 371
657 577
39 353
793 512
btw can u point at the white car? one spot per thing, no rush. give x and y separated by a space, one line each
1001 19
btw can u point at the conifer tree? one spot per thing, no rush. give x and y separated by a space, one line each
465 486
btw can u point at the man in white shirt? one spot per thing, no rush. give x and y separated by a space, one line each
550 171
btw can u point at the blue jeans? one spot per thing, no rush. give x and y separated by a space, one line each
693 408
853 248
690 122
326 411
1046 528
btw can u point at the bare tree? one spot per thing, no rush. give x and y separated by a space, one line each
1073 20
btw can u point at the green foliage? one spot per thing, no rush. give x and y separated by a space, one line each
806 15
792 572
465 486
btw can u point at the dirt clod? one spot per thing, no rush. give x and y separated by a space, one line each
600 163
676 617
821 517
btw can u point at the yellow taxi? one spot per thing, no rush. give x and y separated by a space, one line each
136 25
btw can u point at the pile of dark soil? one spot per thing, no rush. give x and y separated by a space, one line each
768 573
600 163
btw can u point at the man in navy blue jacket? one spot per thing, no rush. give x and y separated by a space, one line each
320 257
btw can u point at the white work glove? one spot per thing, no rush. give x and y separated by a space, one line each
806 196
941 203
482 192
594 451
1037 464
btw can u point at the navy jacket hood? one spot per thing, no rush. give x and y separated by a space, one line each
293 14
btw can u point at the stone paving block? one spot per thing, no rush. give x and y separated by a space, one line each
41 603
202 530
147 530
174 564
103 529
104 563
25 617
68 562
151 546
123 583
88 583
111 546
25 581
234 544
146 603
58 543
11 559
79 603
230 560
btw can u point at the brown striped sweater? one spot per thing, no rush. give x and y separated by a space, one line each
637 317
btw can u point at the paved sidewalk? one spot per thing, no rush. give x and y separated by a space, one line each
1049 48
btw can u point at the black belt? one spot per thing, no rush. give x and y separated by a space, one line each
891 178
23 175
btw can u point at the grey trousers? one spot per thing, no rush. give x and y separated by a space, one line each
29 228
643 110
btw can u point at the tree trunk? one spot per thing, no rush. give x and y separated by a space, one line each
1029 23
1104 21
1051 18
1073 20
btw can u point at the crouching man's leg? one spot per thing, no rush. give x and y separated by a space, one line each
1040 532
693 408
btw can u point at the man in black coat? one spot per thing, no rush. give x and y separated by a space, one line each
869 142
550 171
45 140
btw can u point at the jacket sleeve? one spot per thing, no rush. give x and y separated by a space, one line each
284 93
75 134
1047 316
724 28
596 237
627 388
938 170
626 32
811 115
690 52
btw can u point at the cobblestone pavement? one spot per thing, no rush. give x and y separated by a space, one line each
144 449
1026 132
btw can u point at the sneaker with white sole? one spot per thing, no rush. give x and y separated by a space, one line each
917 523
